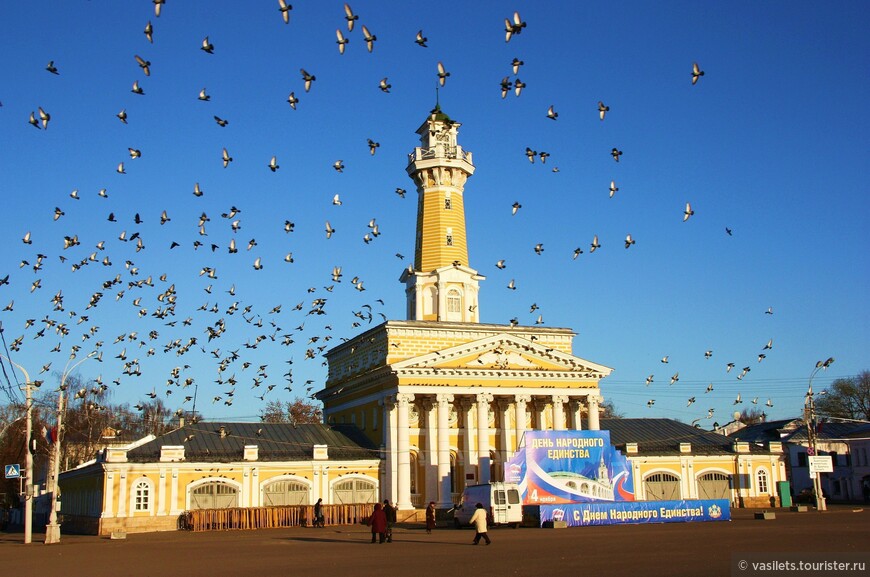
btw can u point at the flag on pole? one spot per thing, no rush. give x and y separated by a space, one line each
50 435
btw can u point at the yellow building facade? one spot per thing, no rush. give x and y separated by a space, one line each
148 485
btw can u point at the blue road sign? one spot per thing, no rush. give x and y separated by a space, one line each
13 471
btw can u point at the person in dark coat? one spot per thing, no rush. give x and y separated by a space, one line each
318 513
390 514
378 522
430 517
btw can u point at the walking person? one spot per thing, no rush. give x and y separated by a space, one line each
390 514
430 517
318 513
378 522
479 522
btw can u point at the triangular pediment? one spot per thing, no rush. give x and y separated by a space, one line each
503 352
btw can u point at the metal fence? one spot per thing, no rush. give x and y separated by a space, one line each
239 518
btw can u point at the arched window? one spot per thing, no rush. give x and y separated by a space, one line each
142 495
285 492
761 481
354 491
454 301
214 495
453 472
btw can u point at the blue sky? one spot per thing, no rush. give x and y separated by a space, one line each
769 143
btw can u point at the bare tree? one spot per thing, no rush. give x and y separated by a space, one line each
751 416
297 412
848 398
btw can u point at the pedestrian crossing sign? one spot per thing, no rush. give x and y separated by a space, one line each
13 471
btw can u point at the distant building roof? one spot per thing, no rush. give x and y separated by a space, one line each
663 437
764 432
827 431
225 441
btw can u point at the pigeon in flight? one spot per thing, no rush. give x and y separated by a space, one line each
442 74
285 10
696 73
552 114
369 38
340 40
350 17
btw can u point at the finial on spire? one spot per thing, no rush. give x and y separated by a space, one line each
437 100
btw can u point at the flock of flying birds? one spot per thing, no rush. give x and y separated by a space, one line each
206 336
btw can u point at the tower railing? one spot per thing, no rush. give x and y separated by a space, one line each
452 152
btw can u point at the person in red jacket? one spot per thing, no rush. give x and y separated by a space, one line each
378 522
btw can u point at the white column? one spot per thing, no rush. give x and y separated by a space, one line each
593 413
577 412
444 402
520 417
122 495
173 494
559 412
483 401
470 447
324 483
389 441
504 409
161 494
418 302
430 457
109 496
403 452
540 420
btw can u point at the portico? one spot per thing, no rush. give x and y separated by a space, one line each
452 416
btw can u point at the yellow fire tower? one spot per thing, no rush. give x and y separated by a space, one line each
446 397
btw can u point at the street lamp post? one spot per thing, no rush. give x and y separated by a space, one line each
810 422
28 456
52 529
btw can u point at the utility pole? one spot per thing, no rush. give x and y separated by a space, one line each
52 529
812 437
28 456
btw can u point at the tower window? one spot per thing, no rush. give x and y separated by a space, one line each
454 301
449 236
447 205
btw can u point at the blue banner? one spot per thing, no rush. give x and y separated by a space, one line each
554 467
624 513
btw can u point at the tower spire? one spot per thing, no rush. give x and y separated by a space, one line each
441 285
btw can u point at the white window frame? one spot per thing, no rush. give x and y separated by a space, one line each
148 495
454 301
762 484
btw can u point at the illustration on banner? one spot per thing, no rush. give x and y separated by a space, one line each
570 467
